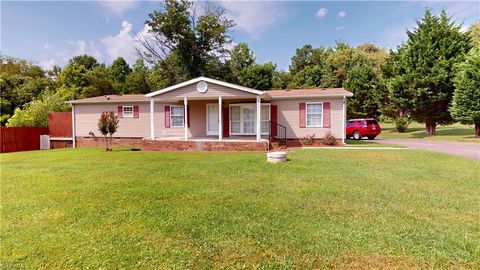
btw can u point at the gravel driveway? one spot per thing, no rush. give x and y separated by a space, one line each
463 149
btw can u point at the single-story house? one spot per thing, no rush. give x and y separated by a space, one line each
208 114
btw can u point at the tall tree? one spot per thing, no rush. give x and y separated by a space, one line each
301 59
87 61
241 57
35 113
137 80
466 98
433 47
194 40
20 82
362 81
474 31
119 70
258 77
76 81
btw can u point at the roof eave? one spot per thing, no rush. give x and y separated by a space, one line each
104 101
310 96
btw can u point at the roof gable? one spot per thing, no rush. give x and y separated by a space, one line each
204 79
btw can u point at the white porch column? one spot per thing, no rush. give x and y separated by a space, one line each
152 122
259 123
220 118
185 123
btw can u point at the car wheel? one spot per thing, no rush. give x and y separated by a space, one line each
371 137
357 135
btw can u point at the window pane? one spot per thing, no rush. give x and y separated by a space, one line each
235 113
127 111
265 126
235 127
249 113
177 111
314 108
177 121
249 127
265 113
314 119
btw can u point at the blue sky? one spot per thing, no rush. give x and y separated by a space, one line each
50 33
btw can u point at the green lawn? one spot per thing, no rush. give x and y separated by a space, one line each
328 208
455 132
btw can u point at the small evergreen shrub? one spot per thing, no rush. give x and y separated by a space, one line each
401 123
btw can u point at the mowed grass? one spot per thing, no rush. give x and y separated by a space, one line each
328 208
454 132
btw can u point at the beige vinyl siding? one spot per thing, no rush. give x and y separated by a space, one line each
288 116
214 91
87 115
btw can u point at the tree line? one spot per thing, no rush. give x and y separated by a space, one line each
433 77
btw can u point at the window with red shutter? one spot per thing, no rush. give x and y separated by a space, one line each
167 116
120 111
136 112
273 118
326 114
301 112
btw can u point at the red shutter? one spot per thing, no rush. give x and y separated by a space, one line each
273 118
226 122
135 112
167 116
188 115
120 111
301 110
326 114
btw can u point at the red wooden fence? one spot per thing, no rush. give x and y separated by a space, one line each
15 139
60 124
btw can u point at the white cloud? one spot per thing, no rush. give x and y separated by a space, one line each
321 13
342 14
46 46
123 44
47 64
254 18
342 27
82 47
117 7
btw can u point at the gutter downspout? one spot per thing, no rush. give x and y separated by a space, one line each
344 118
74 137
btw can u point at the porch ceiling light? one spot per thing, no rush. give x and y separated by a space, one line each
202 87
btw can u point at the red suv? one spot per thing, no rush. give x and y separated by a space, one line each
358 128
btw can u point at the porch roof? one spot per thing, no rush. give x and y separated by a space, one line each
205 79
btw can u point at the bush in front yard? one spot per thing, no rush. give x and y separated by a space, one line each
401 123
329 139
307 139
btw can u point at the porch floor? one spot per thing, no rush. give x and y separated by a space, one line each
211 138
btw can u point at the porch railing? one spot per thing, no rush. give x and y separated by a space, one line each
278 133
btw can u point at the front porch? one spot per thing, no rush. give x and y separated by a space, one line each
212 138
209 119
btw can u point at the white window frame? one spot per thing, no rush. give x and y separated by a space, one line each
306 115
241 105
171 116
128 114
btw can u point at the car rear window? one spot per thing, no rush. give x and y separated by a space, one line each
371 122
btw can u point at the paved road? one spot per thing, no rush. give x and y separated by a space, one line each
464 149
